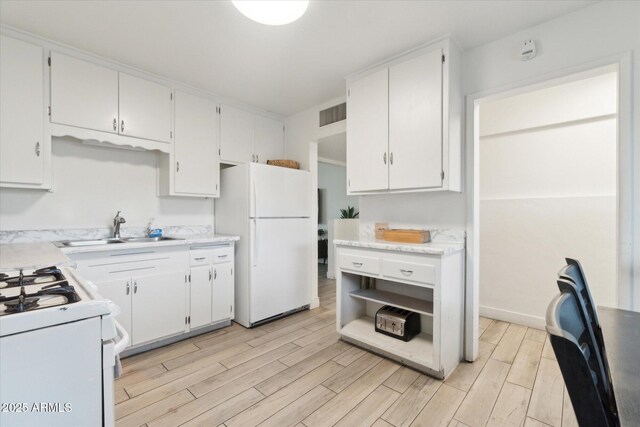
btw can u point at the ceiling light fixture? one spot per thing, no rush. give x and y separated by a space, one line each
272 12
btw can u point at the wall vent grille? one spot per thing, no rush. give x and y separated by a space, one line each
334 114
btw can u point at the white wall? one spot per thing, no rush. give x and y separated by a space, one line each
90 184
304 127
547 191
332 179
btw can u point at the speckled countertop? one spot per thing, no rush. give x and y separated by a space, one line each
432 248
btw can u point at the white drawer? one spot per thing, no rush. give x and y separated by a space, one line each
411 271
201 257
360 263
221 255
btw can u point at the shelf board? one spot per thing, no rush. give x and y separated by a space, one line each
401 301
419 350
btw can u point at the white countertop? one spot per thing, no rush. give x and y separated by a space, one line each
17 256
432 248
181 240
31 256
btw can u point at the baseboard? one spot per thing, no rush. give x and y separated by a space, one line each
315 303
513 317
330 275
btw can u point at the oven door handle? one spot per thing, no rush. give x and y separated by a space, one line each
123 342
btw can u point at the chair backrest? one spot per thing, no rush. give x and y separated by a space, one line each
573 271
573 280
568 334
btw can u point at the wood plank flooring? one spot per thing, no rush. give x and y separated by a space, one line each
296 372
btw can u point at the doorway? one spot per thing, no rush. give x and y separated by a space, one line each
548 190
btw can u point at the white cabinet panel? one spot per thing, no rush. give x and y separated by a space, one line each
159 306
367 133
21 112
269 139
145 109
201 282
415 122
236 135
222 296
83 94
196 146
119 291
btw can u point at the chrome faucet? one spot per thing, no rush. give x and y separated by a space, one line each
117 220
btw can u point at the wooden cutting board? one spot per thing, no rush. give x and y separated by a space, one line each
407 236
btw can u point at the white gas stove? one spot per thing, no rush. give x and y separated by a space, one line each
59 346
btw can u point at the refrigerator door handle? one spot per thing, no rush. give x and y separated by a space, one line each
255 242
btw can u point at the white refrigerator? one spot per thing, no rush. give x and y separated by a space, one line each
270 208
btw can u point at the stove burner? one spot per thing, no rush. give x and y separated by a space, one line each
43 275
21 304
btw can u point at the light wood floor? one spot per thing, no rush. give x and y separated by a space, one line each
296 372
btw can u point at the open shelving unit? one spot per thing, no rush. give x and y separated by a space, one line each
397 300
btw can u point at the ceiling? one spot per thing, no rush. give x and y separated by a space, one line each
286 69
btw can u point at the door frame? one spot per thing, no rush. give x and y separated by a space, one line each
625 182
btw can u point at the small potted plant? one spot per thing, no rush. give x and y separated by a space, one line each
349 213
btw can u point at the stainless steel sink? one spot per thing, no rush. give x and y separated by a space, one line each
110 241
149 239
94 242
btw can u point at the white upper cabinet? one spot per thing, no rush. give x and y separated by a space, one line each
269 139
367 133
196 162
89 96
23 143
404 124
247 137
236 135
145 109
83 94
415 122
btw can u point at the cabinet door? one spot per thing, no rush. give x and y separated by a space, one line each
196 145
119 291
159 306
367 133
200 298
236 135
222 297
83 94
415 122
269 139
145 109
21 112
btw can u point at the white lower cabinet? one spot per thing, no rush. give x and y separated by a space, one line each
200 295
211 285
222 293
431 286
164 292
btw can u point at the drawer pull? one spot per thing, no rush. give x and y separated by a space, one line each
406 272
221 256
357 264
199 258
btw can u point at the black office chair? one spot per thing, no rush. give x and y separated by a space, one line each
575 352
573 280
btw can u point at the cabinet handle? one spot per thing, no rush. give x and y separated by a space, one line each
222 256
122 126
215 274
128 288
384 158
177 166
38 148
209 274
199 258
135 287
257 159
115 124
406 272
357 264
391 158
